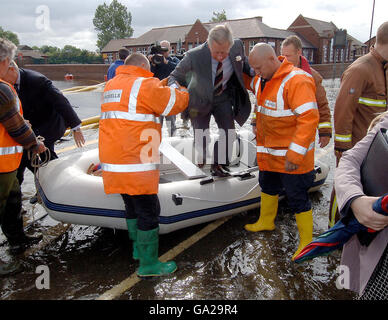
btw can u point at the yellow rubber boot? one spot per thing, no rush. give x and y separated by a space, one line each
268 211
304 221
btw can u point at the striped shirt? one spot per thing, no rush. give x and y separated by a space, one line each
12 120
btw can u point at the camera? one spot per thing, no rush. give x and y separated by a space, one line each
157 53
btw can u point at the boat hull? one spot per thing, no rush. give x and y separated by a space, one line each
70 195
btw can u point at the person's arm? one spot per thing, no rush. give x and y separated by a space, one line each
54 97
178 75
62 105
164 100
352 85
301 99
324 126
347 176
362 208
14 123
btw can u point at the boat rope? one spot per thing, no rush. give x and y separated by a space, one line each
37 163
219 201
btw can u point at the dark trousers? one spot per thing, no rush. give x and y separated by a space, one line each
10 206
222 111
170 121
296 188
26 163
144 208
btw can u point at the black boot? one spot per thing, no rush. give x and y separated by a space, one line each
218 170
19 244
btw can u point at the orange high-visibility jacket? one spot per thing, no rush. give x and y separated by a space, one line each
10 151
286 119
130 130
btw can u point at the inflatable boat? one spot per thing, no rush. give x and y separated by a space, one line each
188 195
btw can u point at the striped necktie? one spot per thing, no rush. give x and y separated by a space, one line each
218 80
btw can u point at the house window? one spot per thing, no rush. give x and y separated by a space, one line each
306 54
331 54
342 54
190 45
324 54
251 45
272 44
110 57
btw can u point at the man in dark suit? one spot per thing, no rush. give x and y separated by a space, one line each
213 74
46 108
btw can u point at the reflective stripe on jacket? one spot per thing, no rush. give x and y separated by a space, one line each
324 126
10 151
286 119
130 130
362 95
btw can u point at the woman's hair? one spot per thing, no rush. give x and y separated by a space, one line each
376 120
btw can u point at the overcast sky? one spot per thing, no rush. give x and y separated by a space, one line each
61 22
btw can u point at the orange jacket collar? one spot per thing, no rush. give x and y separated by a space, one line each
285 68
135 71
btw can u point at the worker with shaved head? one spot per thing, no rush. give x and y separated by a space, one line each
286 121
129 139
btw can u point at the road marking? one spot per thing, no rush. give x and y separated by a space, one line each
133 279
74 146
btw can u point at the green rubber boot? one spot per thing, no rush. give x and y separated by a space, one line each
148 247
132 232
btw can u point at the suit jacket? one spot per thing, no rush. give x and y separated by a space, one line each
47 109
195 72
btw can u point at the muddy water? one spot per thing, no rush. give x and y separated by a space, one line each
229 263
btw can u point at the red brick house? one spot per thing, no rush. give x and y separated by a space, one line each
321 35
27 55
316 38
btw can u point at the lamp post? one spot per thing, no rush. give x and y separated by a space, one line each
371 24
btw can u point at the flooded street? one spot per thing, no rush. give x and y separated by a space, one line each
225 263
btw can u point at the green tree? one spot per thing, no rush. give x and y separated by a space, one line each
9 35
69 54
112 22
219 16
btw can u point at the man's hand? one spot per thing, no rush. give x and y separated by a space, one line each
79 138
338 155
40 148
324 141
183 89
289 166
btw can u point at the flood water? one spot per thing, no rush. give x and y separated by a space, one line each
229 263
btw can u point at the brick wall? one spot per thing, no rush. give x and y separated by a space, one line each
198 33
79 71
326 70
97 71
